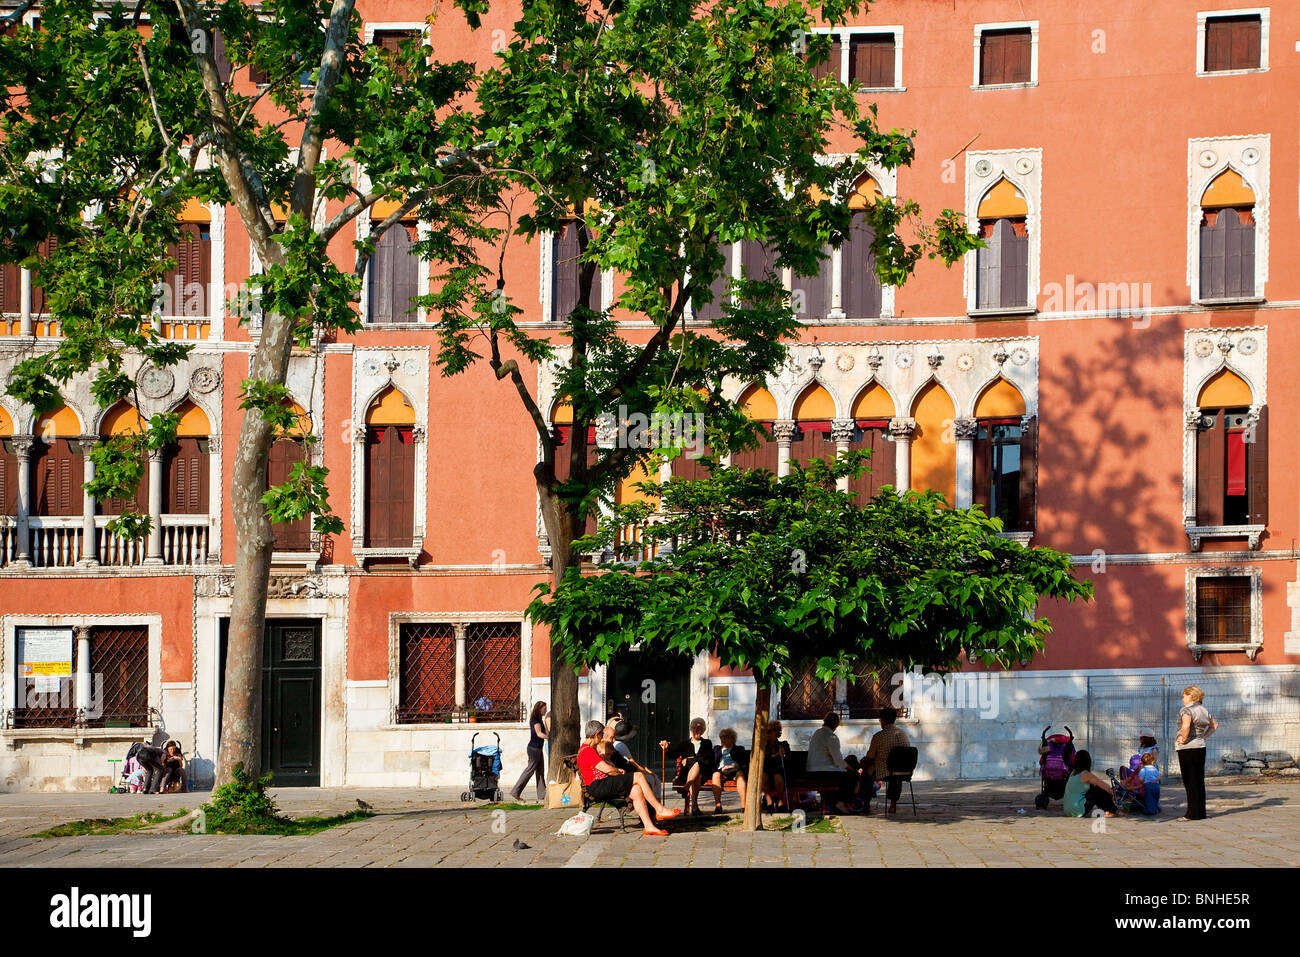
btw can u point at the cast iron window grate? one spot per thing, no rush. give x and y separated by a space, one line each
492 671
805 697
428 673
1223 610
119 657
871 690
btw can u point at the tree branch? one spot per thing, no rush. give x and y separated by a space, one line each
331 65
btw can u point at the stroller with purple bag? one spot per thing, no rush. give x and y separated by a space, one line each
1055 764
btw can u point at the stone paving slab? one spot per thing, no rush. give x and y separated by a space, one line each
1253 822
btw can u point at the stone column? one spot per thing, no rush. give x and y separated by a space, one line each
89 536
462 666
81 669
965 429
842 433
25 303
22 531
784 432
902 428
1191 426
154 554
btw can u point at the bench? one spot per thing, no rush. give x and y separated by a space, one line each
681 788
794 768
619 805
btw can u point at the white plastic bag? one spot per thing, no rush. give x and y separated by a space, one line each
578 826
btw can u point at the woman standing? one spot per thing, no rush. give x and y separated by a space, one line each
1196 725
538 722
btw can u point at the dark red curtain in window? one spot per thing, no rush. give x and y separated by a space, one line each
390 487
1236 473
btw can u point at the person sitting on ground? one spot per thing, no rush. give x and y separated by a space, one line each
824 759
173 762
695 764
730 762
1085 791
775 751
605 782
875 764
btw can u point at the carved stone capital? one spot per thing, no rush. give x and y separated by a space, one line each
783 431
86 443
155 455
902 427
359 435
23 445
214 443
418 435
1191 420
966 428
842 430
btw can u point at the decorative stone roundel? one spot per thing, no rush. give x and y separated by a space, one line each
1250 156
903 360
1203 348
411 367
1248 345
204 380
965 362
1207 158
371 366
983 168
155 382
844 362
1024 166
1020 356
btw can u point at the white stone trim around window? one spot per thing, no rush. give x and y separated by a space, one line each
9 625
980 28
406 369
1256 641
604 284
398 618
1207 158
1207 352
1203 15
411 26
845 33
1023 169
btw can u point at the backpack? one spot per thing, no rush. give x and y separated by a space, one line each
1058 762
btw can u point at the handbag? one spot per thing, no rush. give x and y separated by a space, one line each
564 795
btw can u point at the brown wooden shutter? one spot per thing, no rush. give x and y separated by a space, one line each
870 435
812 440
1028 475
394 273
8 480
764 457
1232 43
862 296
1213 256
830 68
988 267
816 291
11 288
45 250
1005 56
871 60
58 472
1211 453
1257 453
1218 45
140 504
185 468
565 250
293 536
992 57
1238 253
757 260
982 483
563 435
1015 266
260 77
712 311
390 487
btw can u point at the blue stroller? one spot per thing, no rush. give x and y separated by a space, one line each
484 771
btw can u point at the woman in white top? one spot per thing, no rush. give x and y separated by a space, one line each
1196 724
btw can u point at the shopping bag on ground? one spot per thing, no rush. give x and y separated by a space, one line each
577 826
564 795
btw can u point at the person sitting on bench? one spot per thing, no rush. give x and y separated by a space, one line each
619 733
730 761
696 766
825 760
875 763
773 768
605 782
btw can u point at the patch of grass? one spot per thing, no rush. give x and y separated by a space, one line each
508 807
242 806
813 824
109 825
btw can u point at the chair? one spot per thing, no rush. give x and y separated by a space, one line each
900 763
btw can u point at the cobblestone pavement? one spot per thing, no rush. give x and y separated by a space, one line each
1253 822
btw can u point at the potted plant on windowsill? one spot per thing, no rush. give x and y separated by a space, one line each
482 705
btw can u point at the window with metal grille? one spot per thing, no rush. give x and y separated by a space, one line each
492 671
804 697
1233 43
427 684
116 674
870 690
1006 56
1223 610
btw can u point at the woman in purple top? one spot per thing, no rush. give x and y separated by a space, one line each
538 725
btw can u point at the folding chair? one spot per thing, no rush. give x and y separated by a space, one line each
900 763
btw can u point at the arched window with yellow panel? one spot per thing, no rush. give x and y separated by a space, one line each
186 463
390 471
562 434
187 284
392 278
861 295
1231 454
813 412
125 419
286 452
1002 266
871 411
1228 238
934 452
57 465
1006 457
759 406
8 469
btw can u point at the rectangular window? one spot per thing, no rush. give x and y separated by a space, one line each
831 66
185 287
1233 43
1006 56
427 684
871 690
863 296
1231 468
1223 610
58 472
185 474
115 676
119 658
805 698
871 60
566 271
393 275
492 671
712 311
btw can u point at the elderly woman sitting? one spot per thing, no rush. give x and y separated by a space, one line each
606 782
695 765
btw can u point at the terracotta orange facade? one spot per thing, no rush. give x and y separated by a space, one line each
1125 342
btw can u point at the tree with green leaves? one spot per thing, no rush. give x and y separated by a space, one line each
776 574
662 132
108 129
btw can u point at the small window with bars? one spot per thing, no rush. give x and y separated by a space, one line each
1223 610
428 673
62 682
805 697
871 690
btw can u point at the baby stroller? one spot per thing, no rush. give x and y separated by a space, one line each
1055 764
1126 799
128 779
484 771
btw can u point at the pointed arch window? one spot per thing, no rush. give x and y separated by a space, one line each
760 407
1227 239
390 472
1005 459
1002 266
1231 455
872 411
